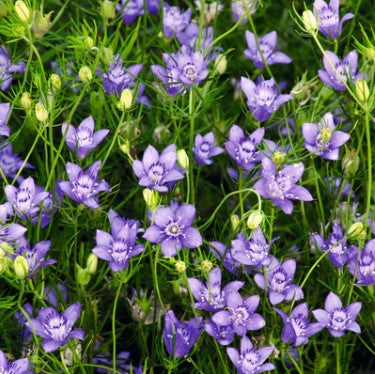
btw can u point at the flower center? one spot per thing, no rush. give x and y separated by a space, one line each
55 326
205 147
24 200
325 134
328 17
84 187
84 137
265 95
156 172
339 319
278 281
190 71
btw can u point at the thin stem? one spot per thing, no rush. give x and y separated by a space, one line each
114 340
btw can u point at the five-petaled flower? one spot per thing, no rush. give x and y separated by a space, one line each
267 45
56 329
7 68
21 366
83 186
329 19
172 228
83 139
205 148
174 20
263 99
336 318
131 9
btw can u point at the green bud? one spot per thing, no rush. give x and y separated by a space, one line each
107 55
310 22
4 263
350 162
221 64
41 23
55 83
278 158
107 9
151 198
206 266
355 230
85 74
89 42
22 11
26 101
92 263
362 90
235 220
82 276
21 268
41 113
180 266
125 147
126 99
302 90
182 158
255 219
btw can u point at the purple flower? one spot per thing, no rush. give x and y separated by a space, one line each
276 152
119 247
223 254
250 360
55 328
132 9
297 328
328 18
158 172
204 149
253 251
224 334
211 297
243 149
21 321
364 266
344 71
179 337
267 45
26 199
322 139
9 232
118 78
240 313
10 162
172 228
263 99
83 139
83 186
336 244
7 68
336 318
184 69
4 115
279 282
242 7
21 366
54 296
35 256
174 20
280 186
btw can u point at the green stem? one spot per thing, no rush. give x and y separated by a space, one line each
338 357
114 340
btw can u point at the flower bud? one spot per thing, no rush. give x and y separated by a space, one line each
26 101
125 146
278 158
350 162
41 23
355 231
182 158
206 265
151 198
221 64
235 220
55 83
309 21
85 74
126 99
302 90
107 55
180 266
82 276
255 219
370 53
362 90
107 9
92 263
41 112
21 268
89 42
4 263
5 248
22 11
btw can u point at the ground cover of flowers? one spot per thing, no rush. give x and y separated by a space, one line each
187 186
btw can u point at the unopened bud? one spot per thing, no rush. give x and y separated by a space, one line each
206 265
21 268
302 90
370 53
355 231
92 263
107 55
278 158
89 42
235 220
85 74
350 162
41 23
55 83
125 146
107 9
22 11
255 219
5 249
82 276
180 266
183 159
41 112
126 99
151 198
26 101
221 64
362 90
4 263
309 21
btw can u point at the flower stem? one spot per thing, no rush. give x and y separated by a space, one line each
114 341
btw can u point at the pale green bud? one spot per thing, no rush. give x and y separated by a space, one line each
206 266
107 55
107 9
309 21
21 268
180 266
22 11
183 159
255 219
55 83
89 42
4 263
278 158
126 99
221 64
355 231
82 276
151 198
235 220
362 90
125 146
41 113
350 162
41 23
92 263
26 101
85 74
